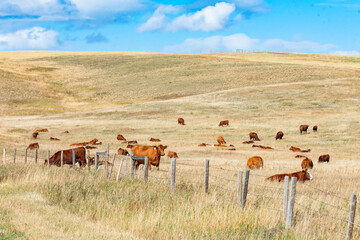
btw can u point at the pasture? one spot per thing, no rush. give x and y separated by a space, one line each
141 95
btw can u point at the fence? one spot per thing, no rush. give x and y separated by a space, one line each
287 201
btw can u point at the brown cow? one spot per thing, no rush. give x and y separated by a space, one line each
66 131
153 152
79 144
300 156
91 161
181 121
131 142
94 142
254 136
303 128
255 162
120 137
296 149
172 154
203 144
324 158
79 157
221 140
232 149
54 139
279 135
33 146
35 134
154 140
219 145
122 151
301 176
315 128
231 145
42 130
307 163
130 146
248 142
224 123
90 147
262 147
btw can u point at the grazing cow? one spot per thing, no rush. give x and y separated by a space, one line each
324 158
155 140
68 157
54 139
221 140
224 123
296 149
254 136
300 156
248 142
303 128
122 151
130 146
307 163
153 152
301 176
172 154
181 121
279 135
33 146
315 128
120 137
35 134
262 147
255 162
42 130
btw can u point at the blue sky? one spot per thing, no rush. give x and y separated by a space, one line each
183 26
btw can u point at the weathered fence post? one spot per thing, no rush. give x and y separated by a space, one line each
245 188
62 159
131 168
96 161
239 186
87 157
111 168
48 157
4 155
146 169
126 165
14 159
25 155
285 197
206 177
73 158
291 203
106 161
118 173
351 220
173 171
36 155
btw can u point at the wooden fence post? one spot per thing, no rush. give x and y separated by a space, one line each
173 171
111 168
245 188
146 169
206 177
36 155
96 161
291 203
239 187
73 158
87 157
25 155
62 159
285 197
131 168
14 159
4 155
351 220
126 166
118 173
106 161
48 157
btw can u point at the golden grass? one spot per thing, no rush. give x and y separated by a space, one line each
141 96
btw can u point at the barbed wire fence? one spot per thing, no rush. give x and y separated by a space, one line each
235 188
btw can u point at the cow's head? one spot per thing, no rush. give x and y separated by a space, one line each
91 160
160 149
307 175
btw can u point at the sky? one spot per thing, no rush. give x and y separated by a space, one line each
181 26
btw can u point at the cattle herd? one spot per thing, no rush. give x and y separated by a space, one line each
155 152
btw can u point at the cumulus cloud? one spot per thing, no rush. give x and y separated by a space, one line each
33 38
210 18
241 41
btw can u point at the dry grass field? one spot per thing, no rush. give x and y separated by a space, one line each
141 95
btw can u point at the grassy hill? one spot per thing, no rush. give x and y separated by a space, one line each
141 95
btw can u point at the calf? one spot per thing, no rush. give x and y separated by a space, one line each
122 151
172 154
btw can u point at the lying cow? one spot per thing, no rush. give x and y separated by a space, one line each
296 149
120 137
154 140
153 152
254 136
224 123
172 154
301 176
68 157
54 139
248 142
221 140
303 128
262 147
307 164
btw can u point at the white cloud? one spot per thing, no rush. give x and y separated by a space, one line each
210 18
253 5
345 52
33 38
241 41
